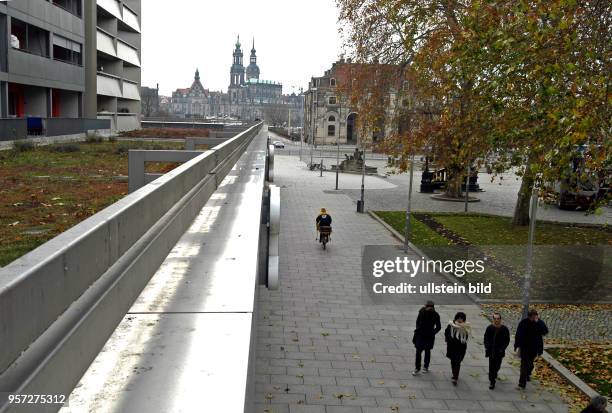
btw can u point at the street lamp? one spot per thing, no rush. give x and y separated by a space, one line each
361 205
338 142
408 228
532 223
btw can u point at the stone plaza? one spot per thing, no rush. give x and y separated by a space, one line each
320 349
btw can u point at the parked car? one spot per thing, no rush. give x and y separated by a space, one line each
278 144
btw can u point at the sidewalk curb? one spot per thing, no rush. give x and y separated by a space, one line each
571 377
414 248
558 367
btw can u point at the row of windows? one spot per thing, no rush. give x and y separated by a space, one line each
34 40
317 82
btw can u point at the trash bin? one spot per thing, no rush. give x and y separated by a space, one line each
359 205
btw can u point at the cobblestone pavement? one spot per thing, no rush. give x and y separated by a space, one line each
320 350
567 323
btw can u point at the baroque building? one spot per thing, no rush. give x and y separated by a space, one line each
248 97
329 117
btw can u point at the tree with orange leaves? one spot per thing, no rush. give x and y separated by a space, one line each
527 80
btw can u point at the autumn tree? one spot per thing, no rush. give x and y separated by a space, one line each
527 80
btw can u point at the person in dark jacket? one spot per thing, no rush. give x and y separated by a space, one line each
427 326
323 220
598 405
457 334
529 340
496 340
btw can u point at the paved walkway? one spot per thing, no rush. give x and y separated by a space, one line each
498 198
320 350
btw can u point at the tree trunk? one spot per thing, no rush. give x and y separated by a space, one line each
521 210
453 184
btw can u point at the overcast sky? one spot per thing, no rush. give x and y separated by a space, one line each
295 39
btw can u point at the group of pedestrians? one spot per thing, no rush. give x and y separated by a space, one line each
528 342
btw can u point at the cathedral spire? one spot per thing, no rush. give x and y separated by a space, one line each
238 42
253 49
197 74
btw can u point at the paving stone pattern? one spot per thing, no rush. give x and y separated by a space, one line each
569 323
320 350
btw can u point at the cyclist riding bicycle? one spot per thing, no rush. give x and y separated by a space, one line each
323 220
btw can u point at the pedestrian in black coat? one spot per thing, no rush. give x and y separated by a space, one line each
456 334
529 340
496 340
427 326
598 405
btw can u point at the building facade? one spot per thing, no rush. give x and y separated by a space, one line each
41 59
248 97
66 63
113 37
329 117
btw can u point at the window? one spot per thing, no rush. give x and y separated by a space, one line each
29 38
66 50
331 130
332 82
71 6
332 100
332 119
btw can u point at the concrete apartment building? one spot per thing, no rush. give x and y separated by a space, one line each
112 29
66 64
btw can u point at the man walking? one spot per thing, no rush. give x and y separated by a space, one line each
427 326
496 340
530 343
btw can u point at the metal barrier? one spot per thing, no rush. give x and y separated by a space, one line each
61 302
13 129
270 168
273 259
70 126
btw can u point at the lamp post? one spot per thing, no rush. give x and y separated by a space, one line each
408 227
362 202
467 187
338 144
532 223
312 131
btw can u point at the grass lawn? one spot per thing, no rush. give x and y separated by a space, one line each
570 262
421 234
591 363
46 190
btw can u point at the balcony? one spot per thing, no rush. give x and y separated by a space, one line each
127 54
38 70
106 44
108 85
131 19
130 91
111 6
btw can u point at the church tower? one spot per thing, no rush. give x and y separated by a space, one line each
252 71
237 70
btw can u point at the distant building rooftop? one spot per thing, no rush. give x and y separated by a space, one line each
263 82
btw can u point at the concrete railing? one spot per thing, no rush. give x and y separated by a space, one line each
69 126
138 158
13 129
190 143
61 302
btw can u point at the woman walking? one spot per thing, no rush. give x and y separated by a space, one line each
427 326
457 334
